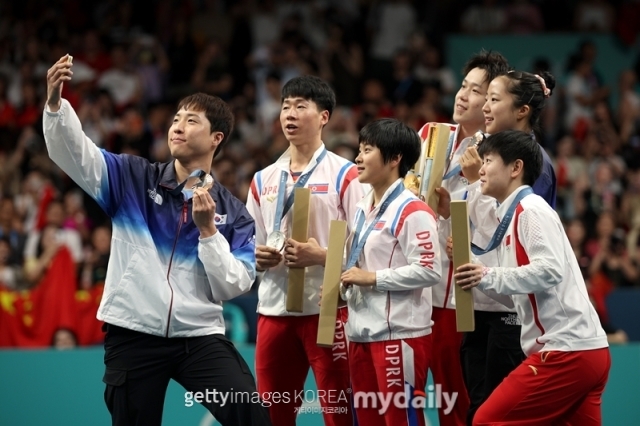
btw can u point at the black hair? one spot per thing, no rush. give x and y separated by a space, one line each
527 89
392 137
312 89
512 145
494 64
217 111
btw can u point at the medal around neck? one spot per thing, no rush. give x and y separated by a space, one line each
206 182
276 240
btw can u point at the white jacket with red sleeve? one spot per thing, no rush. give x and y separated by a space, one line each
404 251
540 274
335 192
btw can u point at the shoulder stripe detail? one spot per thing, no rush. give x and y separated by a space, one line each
254 191
409 206
398 215
341 173
424 131
256 186
259 181
351 174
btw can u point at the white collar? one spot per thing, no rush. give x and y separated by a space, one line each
367 200
284 162
504 206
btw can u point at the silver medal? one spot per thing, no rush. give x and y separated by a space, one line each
206 182
345 292
276 240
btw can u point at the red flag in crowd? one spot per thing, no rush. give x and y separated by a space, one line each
29 318
89 328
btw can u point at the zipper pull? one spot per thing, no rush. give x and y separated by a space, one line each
184 213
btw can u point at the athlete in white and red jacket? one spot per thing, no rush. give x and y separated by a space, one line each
335 192
393 258
568 360
286 342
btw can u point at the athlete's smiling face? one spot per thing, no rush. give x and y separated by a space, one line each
369 163
470 98
190 135
499 110
371 166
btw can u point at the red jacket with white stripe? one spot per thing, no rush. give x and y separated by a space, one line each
404 251
540 275
335 191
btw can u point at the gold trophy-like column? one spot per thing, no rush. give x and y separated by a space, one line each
427 173
299 232
331 283
460 232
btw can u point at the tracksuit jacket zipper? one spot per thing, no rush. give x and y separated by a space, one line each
183 219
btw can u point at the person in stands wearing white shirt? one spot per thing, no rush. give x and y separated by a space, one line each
567 365
446 364
286 342
393 260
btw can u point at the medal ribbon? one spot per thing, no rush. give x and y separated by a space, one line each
358 243
283 208
504 224
199 173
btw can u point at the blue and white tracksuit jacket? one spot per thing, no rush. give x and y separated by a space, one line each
162 279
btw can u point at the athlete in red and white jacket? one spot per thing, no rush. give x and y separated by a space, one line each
539 272
335 192
286 344
565 344
403 251
393 258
